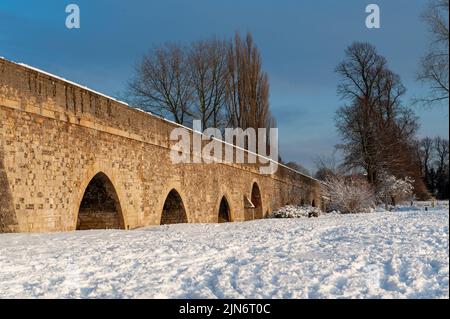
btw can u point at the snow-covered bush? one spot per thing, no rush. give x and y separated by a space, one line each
349 194
291 211
392 189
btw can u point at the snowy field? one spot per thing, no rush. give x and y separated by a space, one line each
402 254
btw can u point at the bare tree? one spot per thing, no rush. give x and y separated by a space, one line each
377 130
434 161
208 67
425 149
442 167
434 65
219 82
442 150
359 73
162 83
247 85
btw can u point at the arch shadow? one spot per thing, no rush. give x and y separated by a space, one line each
100 206
174 211
224 211
257 202
253 206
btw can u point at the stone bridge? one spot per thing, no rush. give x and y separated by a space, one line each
72 158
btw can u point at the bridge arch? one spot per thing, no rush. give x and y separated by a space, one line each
256 199
174 210
224 214
100 206
104 168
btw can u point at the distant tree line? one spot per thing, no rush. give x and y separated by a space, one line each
434 65
433 153
219 82
434 162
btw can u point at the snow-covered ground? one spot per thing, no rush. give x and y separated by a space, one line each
402 254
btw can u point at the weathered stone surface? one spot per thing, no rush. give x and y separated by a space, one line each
56 136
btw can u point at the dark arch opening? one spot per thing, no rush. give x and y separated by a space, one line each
224 211
173 210
100 207
313 204
256 201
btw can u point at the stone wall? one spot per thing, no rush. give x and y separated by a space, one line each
56 136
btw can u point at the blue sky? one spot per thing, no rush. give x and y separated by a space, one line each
301 43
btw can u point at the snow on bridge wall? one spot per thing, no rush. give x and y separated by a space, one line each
56 136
